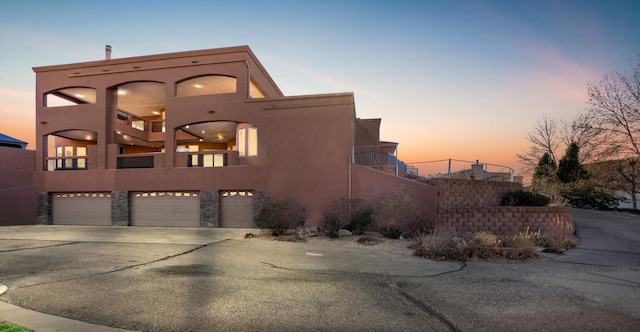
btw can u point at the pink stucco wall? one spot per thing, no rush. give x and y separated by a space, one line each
17 192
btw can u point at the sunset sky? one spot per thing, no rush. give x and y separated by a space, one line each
450 79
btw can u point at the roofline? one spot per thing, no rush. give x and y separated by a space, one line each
165 56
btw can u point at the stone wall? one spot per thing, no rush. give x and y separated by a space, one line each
43 210
471 206
120 208
209 208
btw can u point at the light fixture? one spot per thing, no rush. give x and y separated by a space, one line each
187 126
220 136
121 92
197 86
203 131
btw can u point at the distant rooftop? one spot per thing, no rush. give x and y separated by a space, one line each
12 142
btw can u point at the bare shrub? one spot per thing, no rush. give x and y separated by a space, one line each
435 244
556 243
486 239
354 214
521 245
281 215
394 210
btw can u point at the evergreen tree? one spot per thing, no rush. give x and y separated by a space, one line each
546 168
569 167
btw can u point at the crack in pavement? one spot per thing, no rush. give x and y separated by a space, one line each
331 272
30 248
425 308
416 302
125 267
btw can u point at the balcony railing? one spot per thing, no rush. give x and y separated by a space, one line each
65 163
376 155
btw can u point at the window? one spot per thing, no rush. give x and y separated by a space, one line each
247 142
242 142
252 147
66 159
81 151
206 85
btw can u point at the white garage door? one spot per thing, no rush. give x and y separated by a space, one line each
236 209
171 208
81 209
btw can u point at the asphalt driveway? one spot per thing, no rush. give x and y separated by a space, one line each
168 279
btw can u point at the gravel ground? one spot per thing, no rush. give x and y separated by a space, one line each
397 246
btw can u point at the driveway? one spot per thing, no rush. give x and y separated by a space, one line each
168 279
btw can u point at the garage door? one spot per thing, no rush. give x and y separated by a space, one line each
236 209
170 208
81 209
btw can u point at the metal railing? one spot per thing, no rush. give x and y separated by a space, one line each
375 155
456 168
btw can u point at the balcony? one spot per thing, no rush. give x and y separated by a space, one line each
217 158
379 157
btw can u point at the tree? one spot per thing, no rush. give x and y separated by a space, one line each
545 169
551 136
569 168
614 108
543 140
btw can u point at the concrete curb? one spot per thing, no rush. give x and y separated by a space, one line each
40 322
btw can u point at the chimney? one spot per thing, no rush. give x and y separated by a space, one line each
107 52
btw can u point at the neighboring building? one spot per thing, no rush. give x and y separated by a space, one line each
478 171
17 192
199 138
11 142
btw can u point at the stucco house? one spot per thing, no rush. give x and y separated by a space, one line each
198 138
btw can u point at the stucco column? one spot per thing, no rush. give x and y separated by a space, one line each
43 214
210 208
120 208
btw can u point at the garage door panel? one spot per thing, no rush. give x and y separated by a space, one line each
237 210
81 209
165 209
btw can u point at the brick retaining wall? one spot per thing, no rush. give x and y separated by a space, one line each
454 193
472 206
505 220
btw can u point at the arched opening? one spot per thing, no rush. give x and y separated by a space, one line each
206 144
70 96
206 85
72 149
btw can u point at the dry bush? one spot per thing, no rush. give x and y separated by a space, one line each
486 239
281 215
521 245
354 214
437 244
395 210
556 243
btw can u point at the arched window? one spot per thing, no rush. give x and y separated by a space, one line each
70 97
206 85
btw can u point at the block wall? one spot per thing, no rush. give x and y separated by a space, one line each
505 220
471 206
454 193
